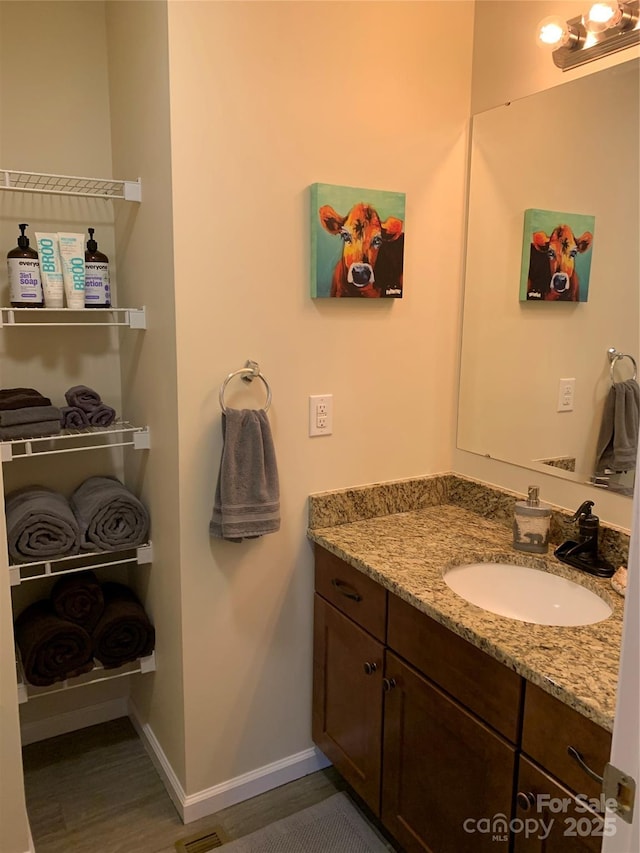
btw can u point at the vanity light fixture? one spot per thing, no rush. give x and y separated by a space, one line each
607 27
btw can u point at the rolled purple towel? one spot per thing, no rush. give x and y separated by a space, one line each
83 397
102 415
72 417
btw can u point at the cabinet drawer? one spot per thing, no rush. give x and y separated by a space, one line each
551 727
563 826
475 679
352 592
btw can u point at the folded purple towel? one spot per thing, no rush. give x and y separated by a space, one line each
102 415
83 397
71 417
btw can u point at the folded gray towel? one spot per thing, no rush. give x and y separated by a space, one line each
29 415
42 428
71 417
110 517
83 397
40 525
247 499
102 415
617 446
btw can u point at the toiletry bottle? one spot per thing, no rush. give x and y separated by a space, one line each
25 286
97 291
531 522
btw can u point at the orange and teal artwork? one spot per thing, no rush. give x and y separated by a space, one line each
556 256
357 242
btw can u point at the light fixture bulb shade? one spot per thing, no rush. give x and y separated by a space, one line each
602 15
552 32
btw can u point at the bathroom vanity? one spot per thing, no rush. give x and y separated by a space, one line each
450 722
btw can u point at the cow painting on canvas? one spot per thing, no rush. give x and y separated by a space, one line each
357 242
556 257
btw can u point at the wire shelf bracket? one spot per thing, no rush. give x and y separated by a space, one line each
70 185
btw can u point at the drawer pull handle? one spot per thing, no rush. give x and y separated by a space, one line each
580 760
388 684
370 668
526 801
346 590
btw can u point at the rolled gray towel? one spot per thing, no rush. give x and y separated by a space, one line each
110 517
102 415
39 430
83 397
40 525
72 417
29 415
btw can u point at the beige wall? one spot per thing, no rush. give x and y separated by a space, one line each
268 98
139 92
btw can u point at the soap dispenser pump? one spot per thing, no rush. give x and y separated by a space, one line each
531 522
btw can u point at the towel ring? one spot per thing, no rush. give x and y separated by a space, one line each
248 374
615 356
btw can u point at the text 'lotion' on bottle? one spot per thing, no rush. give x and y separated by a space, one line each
97 288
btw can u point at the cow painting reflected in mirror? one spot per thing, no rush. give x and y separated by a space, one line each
557 250
357 242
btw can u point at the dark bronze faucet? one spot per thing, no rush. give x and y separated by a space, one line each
583 553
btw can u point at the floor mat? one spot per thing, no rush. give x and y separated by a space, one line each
332 826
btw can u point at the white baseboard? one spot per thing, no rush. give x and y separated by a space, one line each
194 806
71 721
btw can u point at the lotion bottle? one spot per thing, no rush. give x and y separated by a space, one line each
97 290
25 286
531 522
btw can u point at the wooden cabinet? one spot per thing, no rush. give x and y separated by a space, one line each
347 699
431 731
443 768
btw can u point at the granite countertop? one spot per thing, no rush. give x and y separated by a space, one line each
407 553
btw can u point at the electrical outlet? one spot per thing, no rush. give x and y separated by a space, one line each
566 393
320 414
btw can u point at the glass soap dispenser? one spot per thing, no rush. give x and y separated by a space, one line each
531 522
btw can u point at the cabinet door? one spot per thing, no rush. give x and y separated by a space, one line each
347 699
553 821
443 769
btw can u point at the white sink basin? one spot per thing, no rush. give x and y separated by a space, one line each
527 594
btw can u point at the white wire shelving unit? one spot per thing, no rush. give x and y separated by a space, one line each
118 434
27 692
132 318
70 185
20 573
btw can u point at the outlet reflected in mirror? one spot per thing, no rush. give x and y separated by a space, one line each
572 148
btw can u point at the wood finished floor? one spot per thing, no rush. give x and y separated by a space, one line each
96 791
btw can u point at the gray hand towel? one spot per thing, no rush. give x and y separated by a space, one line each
617 446
40 525
110 517
247 499
38 430
83 397
29 415
20 398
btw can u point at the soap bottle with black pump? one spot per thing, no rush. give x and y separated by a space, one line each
531 523
97 288
25 286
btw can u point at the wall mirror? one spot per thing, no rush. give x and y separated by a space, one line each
572 149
